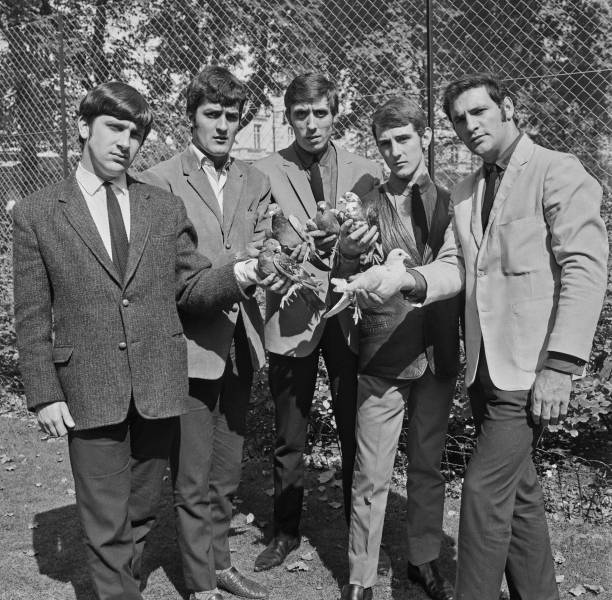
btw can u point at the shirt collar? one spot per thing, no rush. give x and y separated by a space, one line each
306 158
421 178
206 161
91 183
502 162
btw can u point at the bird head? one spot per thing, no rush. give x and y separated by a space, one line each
396 255
271 245
274 209
322 206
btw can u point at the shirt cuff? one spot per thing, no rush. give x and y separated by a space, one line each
565 363
419 293
242 270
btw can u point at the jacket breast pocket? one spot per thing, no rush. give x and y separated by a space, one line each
522 246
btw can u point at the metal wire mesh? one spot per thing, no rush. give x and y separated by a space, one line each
554 55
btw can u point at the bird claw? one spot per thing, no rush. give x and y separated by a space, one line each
289 295
356 313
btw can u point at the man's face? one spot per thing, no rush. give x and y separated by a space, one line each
484 127
402 148
313 124
110 146
214 127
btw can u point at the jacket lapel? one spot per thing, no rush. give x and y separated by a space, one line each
78 215
299 181
477 190
140 225
519 158
198 180
232 192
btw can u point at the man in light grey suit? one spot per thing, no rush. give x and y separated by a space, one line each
102 265
227 201
527 242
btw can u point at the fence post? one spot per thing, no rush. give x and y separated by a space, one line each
430 96
62 86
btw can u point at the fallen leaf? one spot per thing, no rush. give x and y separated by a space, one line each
33 526
307 556
11 514
9 468
250 518
596 589
64 480
451 513
335 504
38 484
559 558
560 578
70 492
30 552
326 476
270 492
577 590
298 565
5 459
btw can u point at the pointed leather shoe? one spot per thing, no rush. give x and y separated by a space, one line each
433 582
352 591
234 582
276 552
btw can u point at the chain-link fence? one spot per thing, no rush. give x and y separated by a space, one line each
554 54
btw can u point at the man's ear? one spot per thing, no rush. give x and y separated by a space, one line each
83 127
426 138
507 109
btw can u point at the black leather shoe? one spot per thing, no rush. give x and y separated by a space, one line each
352 591
234 582
433 582
276 552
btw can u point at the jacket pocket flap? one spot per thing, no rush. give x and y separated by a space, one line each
62 354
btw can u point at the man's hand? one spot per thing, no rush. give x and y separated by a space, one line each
376 285
55 419
355 243
550 396
323 241
273 282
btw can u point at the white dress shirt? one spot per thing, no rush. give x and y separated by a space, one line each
217 179
95 196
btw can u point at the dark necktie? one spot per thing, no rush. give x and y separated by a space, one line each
419 219
316 182
119 239
491 172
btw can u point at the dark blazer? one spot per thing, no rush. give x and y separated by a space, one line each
86 337
296 330
394 335
246 196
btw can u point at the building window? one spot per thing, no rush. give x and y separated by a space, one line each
257 137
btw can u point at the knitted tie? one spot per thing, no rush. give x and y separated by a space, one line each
119 239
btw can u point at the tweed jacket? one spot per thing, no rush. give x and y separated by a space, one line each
222 238
296 330
87 337
536 277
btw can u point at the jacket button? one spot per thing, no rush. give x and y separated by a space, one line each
122 345
227 245
125 302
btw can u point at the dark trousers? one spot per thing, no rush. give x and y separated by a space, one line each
206 465
292 384
380 412
118 472
502 525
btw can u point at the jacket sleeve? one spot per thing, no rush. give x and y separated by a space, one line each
579 244
33 313
445 276
200 288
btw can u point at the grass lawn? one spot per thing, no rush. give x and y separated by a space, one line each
42 556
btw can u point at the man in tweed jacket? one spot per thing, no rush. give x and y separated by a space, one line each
98 286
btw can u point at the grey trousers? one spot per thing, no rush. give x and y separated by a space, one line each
380 412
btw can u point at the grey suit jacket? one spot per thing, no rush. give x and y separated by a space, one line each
246 196
87 337
296 329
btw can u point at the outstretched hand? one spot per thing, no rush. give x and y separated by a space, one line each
376 285
354 243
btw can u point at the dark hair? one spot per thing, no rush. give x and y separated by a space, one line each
310 87
399 112
493 84
217 85
119 100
